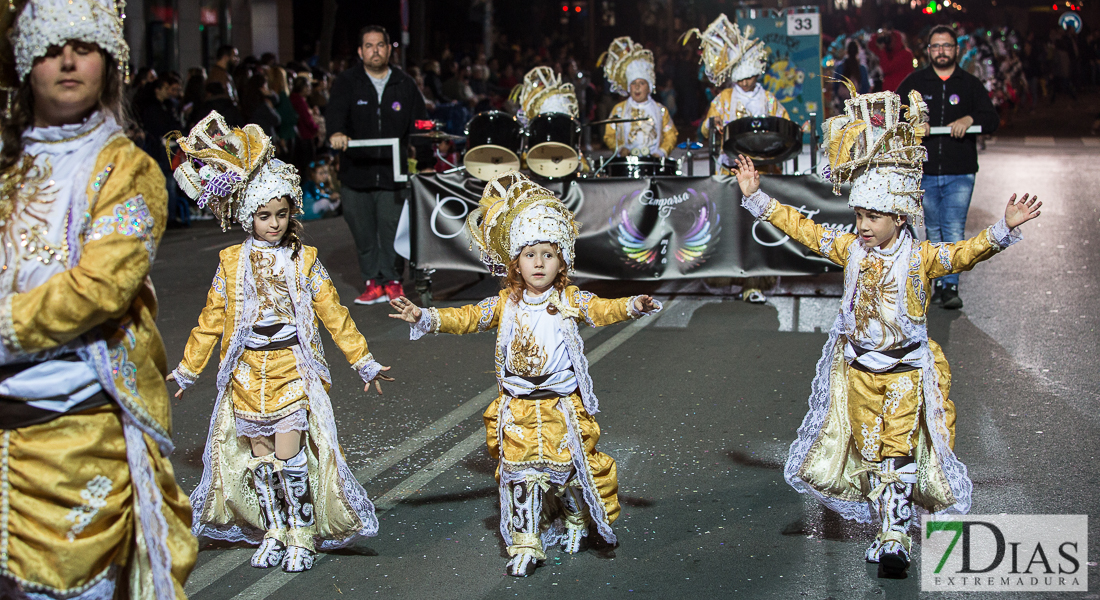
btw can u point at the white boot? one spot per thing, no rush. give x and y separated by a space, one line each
874 551
525 498
299 509
267 483
576 518
897 511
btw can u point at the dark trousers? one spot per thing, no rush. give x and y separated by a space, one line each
372 218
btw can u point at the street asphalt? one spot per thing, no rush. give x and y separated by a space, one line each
699 407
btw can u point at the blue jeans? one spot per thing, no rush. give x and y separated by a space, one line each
946 202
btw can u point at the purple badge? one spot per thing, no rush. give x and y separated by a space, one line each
953 99
397 105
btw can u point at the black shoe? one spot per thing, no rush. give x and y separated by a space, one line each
937 293
893 565
950 297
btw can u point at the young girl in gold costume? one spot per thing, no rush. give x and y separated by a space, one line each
541 429
272 418
880 434
89 505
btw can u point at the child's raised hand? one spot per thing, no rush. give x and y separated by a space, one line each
378 379
747 175
406 310
172 377
1018 213
644 304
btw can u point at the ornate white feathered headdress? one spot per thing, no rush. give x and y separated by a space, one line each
237 172
44 23
625 62
543 92
728 53
514 212
880 153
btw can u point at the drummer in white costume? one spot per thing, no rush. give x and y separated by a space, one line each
729 54
628 68
543 93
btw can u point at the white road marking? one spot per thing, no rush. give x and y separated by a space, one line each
214 569
276 579
1039 140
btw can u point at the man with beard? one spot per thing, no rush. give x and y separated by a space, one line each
958 100
373 100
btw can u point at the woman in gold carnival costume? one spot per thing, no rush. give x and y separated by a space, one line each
628 68
553 483
89 505
879 437
296 495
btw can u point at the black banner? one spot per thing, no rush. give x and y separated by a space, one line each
659 228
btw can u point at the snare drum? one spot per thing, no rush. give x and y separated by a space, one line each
766 140
493 142
553 142
641 166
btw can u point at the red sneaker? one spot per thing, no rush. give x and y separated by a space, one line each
394 290
374 294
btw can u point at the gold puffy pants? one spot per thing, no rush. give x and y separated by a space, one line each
266 385
68 504
534 436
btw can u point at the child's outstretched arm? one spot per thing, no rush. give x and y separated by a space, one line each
338 322
472 318
200 345
600 312
827 242
955 257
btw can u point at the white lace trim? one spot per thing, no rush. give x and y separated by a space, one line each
428 323
759 204
295 421
1000 235
184 377
150 504
369 370
100 587
637 314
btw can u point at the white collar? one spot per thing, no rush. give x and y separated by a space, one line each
62 133
892 251
529 299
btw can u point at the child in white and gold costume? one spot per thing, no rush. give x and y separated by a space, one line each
880 433
89 505
553 482
273 471
729 54
542 92
628 68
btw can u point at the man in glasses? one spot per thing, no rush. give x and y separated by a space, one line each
958 100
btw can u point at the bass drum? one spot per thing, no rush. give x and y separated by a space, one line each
766 140
636 167
493 142
553 142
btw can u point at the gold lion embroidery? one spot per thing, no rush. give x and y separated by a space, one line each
271 286
877 290
525 357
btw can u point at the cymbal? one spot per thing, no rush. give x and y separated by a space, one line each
613 121
437 135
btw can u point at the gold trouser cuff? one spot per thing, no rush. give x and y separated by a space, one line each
278 535
526 543
301 537
894 536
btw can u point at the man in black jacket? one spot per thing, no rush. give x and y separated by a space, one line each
958 100
370 101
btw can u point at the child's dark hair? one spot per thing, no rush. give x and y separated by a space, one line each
513 281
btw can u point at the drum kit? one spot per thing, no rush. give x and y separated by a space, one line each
550 146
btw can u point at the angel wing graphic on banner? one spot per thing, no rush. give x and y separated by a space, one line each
688 233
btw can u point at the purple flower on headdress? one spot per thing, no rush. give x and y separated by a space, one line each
219 186
827 172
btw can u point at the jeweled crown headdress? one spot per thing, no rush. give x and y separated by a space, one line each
624 62
515 212
543 92
880 153
237 172
32 26
729 53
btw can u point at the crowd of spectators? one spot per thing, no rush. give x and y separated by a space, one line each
288 100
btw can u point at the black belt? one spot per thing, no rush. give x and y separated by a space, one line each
270 330
16 413
538 380
896 353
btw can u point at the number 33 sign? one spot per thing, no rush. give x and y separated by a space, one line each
804 24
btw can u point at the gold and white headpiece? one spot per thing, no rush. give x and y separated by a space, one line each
728 53
44 23
880 153
514 212
626 61
543 92
237 172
